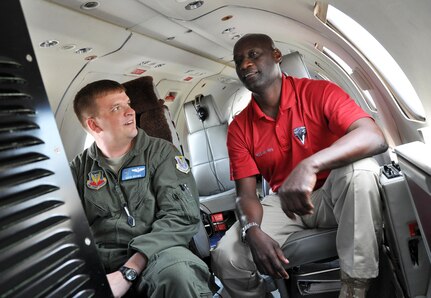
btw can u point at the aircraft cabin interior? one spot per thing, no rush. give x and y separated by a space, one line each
174 57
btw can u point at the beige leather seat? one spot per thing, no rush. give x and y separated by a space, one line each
209 158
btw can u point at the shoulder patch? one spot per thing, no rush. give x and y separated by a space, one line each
96 180
182 164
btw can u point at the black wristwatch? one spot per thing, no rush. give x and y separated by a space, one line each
129 274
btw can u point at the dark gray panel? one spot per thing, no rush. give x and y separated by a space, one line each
46 248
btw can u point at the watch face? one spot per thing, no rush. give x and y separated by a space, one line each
131 274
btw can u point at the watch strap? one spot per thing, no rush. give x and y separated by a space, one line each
246 228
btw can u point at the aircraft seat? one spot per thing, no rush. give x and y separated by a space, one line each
294 66
155 119
208 154
152 115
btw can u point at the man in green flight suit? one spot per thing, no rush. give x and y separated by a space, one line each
140 199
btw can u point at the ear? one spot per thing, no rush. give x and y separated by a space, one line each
277 55
92 125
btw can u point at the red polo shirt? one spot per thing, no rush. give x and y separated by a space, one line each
313 114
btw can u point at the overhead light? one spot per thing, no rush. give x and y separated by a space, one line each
90 5
194 5
83 50
68 47
227 80
228 30
48 43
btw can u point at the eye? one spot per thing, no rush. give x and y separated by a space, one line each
253 54
116 108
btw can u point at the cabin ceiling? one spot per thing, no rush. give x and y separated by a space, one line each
168 18
397 24
183 47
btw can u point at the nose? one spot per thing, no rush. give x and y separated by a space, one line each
130 111
245 63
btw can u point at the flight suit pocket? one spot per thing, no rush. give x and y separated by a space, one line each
96 206
139 193
187 204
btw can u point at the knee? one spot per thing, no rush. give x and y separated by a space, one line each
232 259
362 174
183 279
367 167
220 258
179 274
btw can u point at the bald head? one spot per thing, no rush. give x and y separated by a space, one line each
262 40
257 62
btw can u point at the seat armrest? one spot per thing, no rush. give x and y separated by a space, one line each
200 243
309 246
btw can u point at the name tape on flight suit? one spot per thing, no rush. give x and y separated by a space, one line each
133 173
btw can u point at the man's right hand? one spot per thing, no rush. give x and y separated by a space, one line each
267 254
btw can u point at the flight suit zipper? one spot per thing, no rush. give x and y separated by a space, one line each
130 219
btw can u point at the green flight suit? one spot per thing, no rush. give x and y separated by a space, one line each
157 188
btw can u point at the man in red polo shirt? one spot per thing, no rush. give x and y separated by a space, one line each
312 143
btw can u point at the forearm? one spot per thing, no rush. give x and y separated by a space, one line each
363 140
168 231
248 205
137 261
249 210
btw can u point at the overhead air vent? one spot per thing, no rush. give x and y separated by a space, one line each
194 5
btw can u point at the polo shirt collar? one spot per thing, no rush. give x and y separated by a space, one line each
257 112
288 95
288 99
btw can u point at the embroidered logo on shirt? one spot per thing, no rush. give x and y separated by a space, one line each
96 180
182 164
267 150
300 133
133 173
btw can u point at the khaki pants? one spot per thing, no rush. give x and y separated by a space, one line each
349 199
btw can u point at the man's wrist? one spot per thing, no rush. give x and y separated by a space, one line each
245 228
129 274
